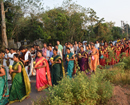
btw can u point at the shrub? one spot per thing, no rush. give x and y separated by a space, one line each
81 90
126 61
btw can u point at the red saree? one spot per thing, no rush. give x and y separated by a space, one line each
41 81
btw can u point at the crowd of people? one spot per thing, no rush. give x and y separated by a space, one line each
50 64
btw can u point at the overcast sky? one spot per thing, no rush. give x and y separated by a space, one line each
111 10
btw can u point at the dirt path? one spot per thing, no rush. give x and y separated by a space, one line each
121 96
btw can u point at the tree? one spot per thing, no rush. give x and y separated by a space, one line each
3 26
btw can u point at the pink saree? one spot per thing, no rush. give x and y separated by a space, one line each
41 81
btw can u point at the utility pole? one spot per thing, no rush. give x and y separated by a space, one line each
122 26
127 30
125 27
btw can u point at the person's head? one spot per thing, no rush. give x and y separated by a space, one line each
55 51
116 44
71 45
12 50
26 48
87 47
105 43
32 48
81 48
92 46
7 50
75 42
50 47
16 57
39 53
38 47
102 41
85 43
44 45
68 50
96 42
58 42
68 45
22 49
111 44
50 44
102 47
79 45
56 47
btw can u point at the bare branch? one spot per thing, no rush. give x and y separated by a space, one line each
7 9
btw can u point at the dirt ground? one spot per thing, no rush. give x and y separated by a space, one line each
121 96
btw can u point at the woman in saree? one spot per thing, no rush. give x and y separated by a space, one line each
42 69
57 71
4 91
21 87
69 62
94 58
88 51
102 60
83 59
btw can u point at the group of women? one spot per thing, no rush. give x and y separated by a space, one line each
49 76
89 59
21 88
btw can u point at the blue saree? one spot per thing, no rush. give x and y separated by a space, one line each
70 65
4 91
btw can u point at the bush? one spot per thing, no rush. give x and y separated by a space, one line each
126 61
81 90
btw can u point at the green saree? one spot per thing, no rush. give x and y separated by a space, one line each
57 72
21 87
4 91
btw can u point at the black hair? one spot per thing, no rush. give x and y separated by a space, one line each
12 49
50 46
32 46
56 45
7 49
39 51
82 46
55 49
68 48
21 48
92 45
17 56
111 43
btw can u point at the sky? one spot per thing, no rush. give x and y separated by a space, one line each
110 10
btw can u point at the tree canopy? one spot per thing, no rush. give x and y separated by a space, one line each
68 22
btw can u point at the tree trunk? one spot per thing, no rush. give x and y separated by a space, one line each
3 26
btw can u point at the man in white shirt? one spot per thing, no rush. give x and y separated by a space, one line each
6 61
97 45
78 49
75 47
84 45
48 54
58 51
13 51
26 58
32 70
71 48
